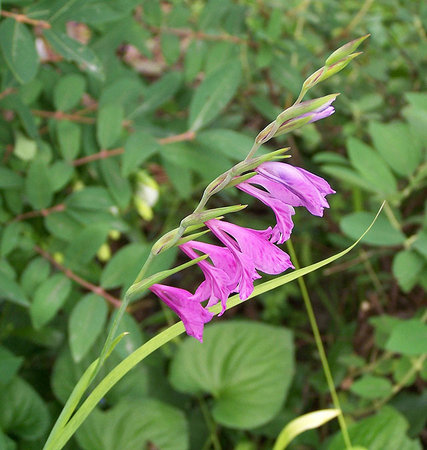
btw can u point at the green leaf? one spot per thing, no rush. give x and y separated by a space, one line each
384 430
12 291
213 94
158 93
10 237
118 186
35 273
407 266
19 51
9 366
62 226
60 174
303 423
420 244
86 322
109 125
247 367
73 50
180 177
408 337
382 233
85 245
68 91
138 148
232 144
170 47
134 424
90 198
371 167
9 179
37 185
23 412
397 146
372 387
49 298
194 58
69 136
124 266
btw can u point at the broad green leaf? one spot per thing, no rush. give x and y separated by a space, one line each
72 50
109 125
69 136
23 412
38 188
407 266
247 367
9 366
232 144
124 266
9 179
62 225
118 186
384 430
24 113
68 91
86 322
138 148
85 245
90 198
158 93
48 299
372 387
133 424
397 146
12 291
25 148
180 177
213 94
19 50
382 232
303 423
408 337
60 174
420 244
194 58
35 273
371 167
170 47
383 326
10 237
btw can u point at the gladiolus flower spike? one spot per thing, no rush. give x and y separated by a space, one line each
233 267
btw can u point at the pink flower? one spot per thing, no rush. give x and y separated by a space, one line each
252 251
294 186
189 309
218 283
282 210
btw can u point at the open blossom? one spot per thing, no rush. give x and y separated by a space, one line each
189 309
252 251
294 186
219 281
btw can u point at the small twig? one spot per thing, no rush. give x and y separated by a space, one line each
40 213
59 115
7 92
103 154
72 276
25 19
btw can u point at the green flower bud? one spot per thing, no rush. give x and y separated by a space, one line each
345 50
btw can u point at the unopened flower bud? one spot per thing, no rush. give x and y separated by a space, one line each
104 253
166 241
345 50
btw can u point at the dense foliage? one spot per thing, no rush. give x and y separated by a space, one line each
115 116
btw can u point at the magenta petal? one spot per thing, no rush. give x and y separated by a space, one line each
282 211
254 245
310 189
189 310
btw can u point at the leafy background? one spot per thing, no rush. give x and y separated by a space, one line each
114 116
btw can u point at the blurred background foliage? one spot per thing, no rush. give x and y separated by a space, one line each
114 116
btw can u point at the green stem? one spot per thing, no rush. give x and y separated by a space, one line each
320 348
210 424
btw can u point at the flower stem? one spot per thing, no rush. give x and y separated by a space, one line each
320 348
